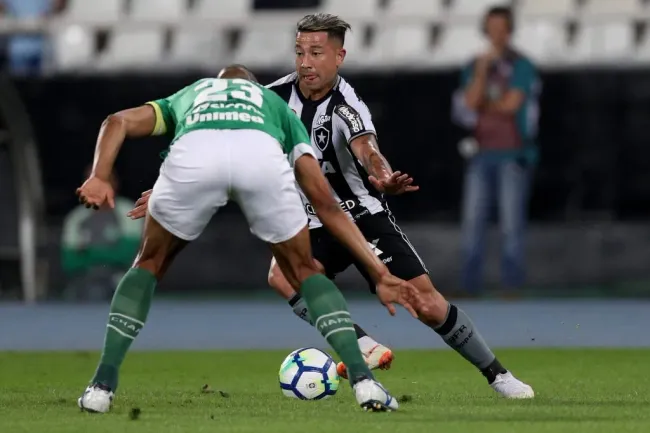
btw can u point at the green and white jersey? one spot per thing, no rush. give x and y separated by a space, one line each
213 103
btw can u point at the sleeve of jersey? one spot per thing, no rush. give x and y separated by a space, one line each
297 139
523 76
164 119
356 120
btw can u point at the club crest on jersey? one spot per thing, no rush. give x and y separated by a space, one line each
321 137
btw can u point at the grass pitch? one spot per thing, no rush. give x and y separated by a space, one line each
577 391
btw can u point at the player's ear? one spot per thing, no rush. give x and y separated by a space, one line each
340 56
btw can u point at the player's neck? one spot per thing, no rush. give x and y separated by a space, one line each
316 95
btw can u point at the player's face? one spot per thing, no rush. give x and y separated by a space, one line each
498 31
317 59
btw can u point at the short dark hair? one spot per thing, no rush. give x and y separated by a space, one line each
237 71
500 11
333 25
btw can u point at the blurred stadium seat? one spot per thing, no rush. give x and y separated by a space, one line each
228 10
613 7
74 48
158 9
423 9
109 11
361 9
604 42
548 8
642 53
543 40
133 49
355 45
467 36
386 33
473 8
403 43
198 48
267 45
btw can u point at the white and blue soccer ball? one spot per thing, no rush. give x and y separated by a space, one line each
309 374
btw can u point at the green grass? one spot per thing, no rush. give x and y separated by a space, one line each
578 391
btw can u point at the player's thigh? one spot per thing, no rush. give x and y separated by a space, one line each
264 186
192 185
392 246
158 248
294 258
333 257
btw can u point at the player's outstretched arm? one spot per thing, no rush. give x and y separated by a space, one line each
381 175
132 123
390 289
316 188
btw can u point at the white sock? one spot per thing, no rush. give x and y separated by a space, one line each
366 344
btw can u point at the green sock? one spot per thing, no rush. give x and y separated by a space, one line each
331 317
129 310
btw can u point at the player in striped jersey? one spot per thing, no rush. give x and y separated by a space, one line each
345 142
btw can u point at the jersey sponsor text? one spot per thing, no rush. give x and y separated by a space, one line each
223 116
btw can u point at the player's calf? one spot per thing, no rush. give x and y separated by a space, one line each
460 333
128 312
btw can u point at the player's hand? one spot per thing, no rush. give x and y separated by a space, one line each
140 208
95 192
392 290
396 184
486 59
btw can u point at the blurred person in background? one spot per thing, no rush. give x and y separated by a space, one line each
498 102
98 247
25 53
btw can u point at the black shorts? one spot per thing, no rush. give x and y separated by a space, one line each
389 243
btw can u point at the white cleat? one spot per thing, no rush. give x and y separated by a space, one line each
510 387
96 399
371 395
379 356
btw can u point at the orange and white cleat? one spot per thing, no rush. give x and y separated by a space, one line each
379 356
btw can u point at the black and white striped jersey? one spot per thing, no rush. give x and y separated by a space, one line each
333 122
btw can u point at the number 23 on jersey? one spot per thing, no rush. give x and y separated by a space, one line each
220 90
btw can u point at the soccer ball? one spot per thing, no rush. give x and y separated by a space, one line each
308 374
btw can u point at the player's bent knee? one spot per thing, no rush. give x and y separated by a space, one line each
303 270
279 283
432 309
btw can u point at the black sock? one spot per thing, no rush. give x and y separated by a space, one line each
492 370
360 332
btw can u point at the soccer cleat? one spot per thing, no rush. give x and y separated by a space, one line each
372 396
379 356
510 387
96 399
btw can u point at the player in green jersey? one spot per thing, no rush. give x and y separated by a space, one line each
231 141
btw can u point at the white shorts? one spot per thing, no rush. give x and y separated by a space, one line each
207 168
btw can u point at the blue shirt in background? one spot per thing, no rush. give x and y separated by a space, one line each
27 49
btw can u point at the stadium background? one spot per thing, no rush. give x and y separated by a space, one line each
588 236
